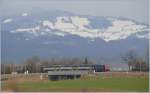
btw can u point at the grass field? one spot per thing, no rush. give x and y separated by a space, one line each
116 82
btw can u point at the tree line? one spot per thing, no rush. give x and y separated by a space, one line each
134 62
35 64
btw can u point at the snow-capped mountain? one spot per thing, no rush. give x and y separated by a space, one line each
81 26
55 32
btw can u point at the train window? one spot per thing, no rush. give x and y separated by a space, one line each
99 68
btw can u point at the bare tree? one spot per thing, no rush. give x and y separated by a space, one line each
86 61
31 64
2 68
129 58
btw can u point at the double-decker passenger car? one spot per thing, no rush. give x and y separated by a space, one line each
56 72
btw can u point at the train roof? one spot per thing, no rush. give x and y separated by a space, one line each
71 65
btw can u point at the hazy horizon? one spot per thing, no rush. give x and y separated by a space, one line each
133 9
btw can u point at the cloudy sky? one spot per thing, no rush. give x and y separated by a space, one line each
133 9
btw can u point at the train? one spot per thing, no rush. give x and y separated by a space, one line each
56 72
95 68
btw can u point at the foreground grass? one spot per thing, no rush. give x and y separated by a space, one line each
125 84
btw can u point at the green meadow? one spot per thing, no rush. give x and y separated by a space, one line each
102 83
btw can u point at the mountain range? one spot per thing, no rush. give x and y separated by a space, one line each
63 34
